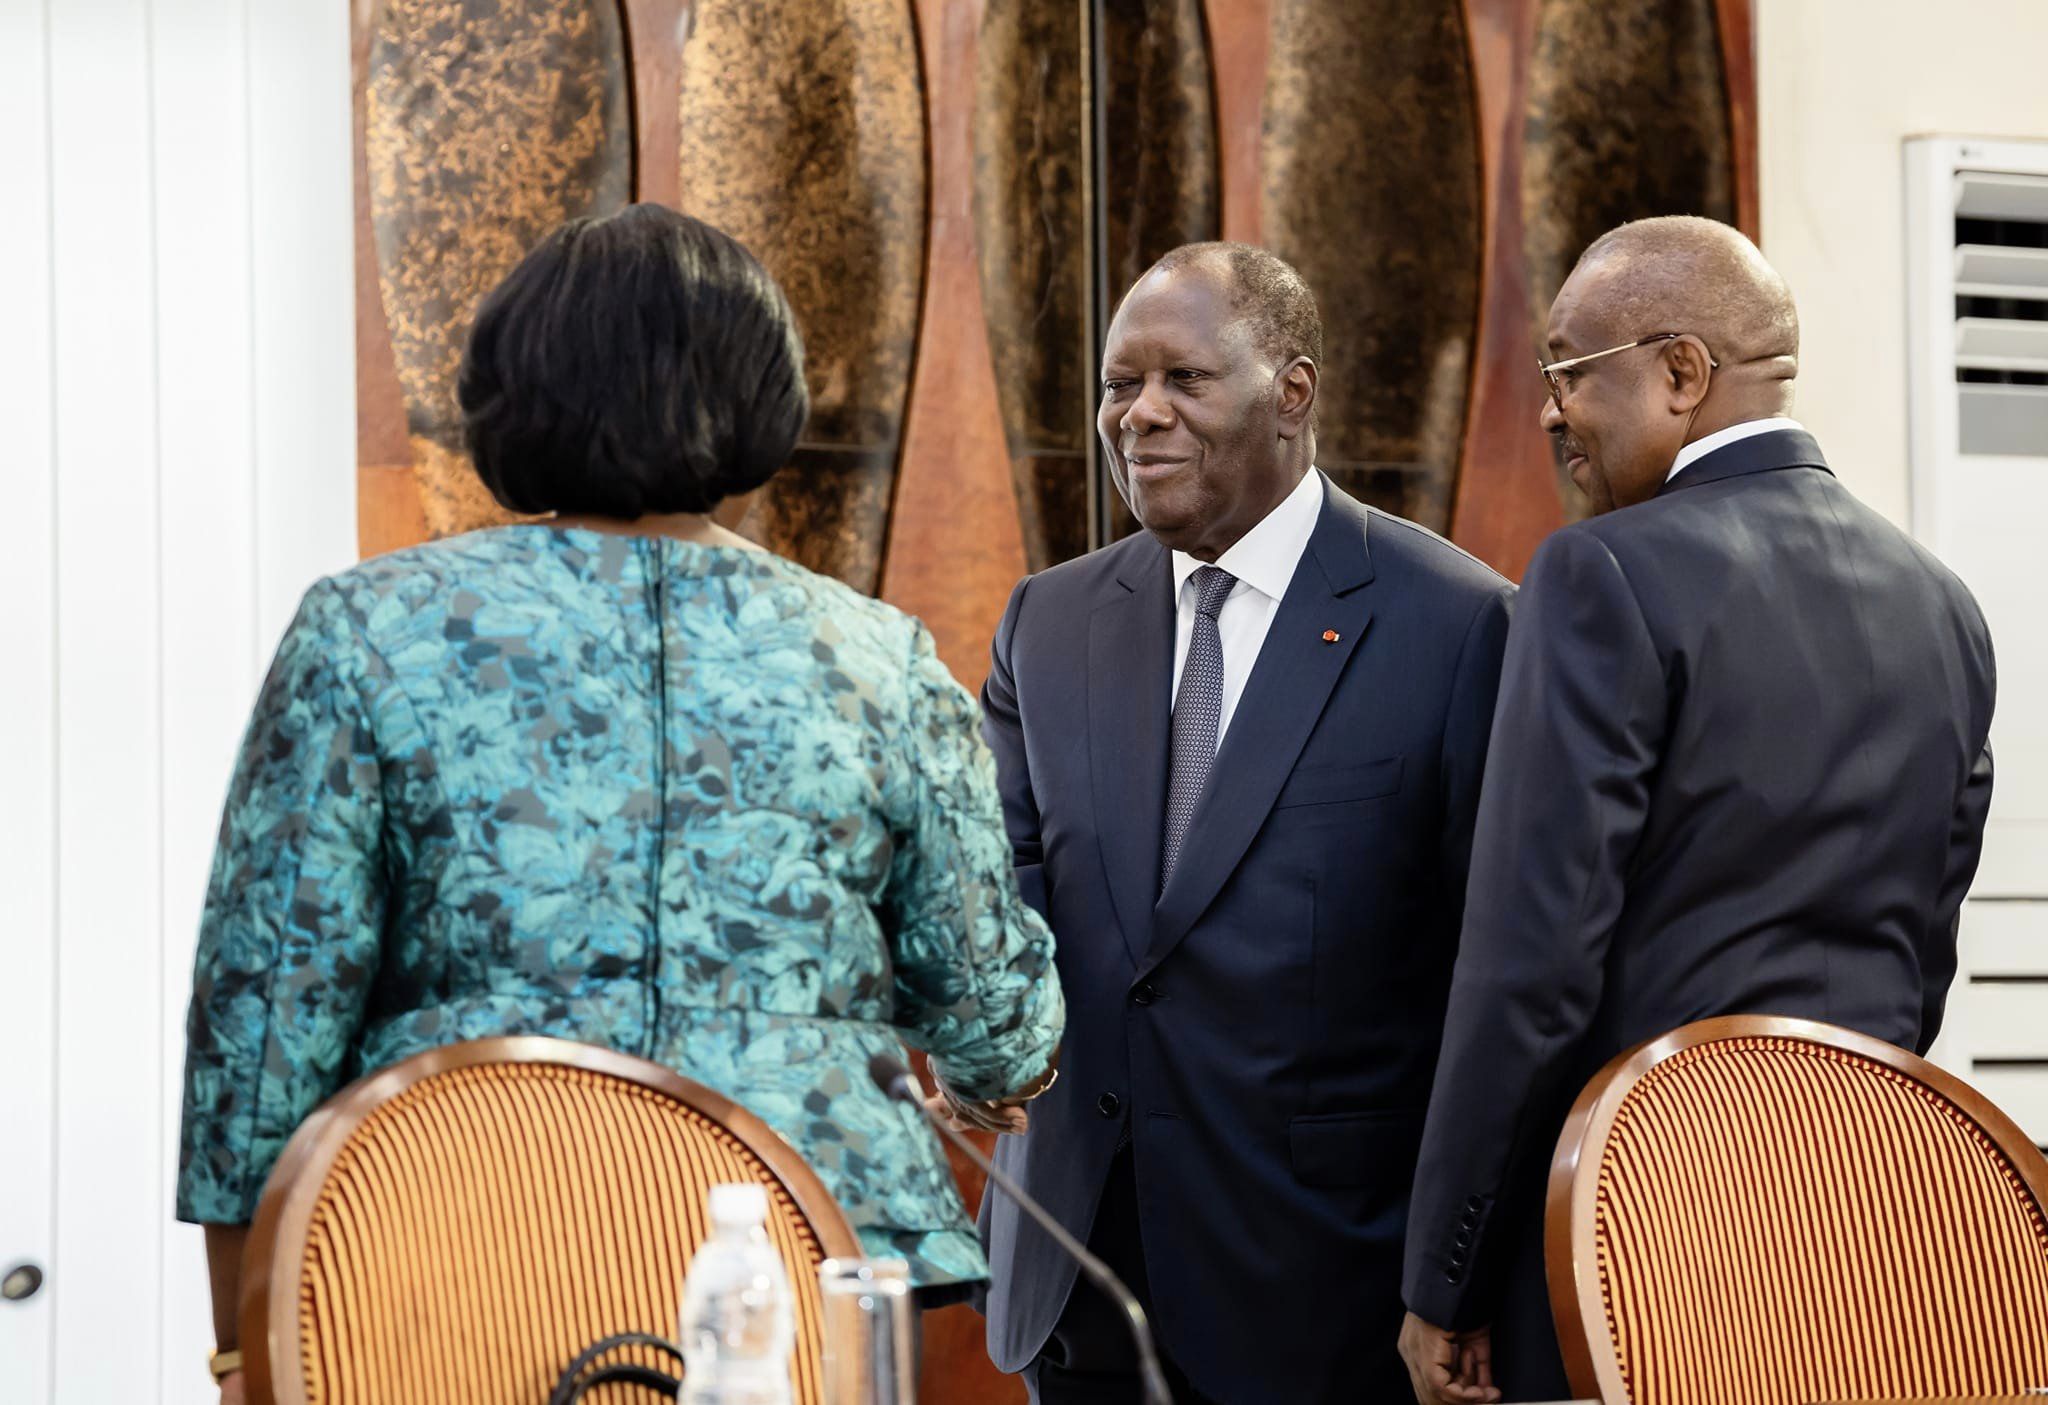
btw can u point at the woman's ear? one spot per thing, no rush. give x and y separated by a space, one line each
1297 382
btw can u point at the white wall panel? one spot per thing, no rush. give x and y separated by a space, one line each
109 1203
28 862
304 303
176 375
206 452
2021 1094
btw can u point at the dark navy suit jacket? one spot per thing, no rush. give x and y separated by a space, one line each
1267 1026
1739 767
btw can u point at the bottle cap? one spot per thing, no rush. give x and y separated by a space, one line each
745 1204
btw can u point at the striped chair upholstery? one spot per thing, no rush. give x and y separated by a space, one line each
454 1229
1757 1211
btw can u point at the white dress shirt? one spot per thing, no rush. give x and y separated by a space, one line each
1263 560
1722 438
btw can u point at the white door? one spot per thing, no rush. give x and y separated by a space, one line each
177 387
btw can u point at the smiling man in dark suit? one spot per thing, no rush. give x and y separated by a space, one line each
1740 766
1240 755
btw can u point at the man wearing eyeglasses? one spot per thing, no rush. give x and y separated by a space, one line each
1739 766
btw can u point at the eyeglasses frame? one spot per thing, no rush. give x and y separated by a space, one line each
1549 371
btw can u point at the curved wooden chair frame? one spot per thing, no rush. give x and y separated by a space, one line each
268 1311
1568 1241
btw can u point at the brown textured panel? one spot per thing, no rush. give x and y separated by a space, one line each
1030 125
654 34
1032 115
1371 189
1736 22
1504 503
1628 117
487 123
388 514
803 137
1160 174
1240 38
1162 184
955 546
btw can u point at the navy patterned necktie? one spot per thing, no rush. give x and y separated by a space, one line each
1197 714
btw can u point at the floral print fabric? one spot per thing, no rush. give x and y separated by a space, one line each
691 802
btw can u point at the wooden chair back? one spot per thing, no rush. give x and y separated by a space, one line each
453 1229
1764 1211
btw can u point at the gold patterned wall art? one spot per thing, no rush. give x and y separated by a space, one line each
1371 188
1095 153
486 124
803 136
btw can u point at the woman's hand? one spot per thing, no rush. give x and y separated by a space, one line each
231 1392
964 1116
999 1115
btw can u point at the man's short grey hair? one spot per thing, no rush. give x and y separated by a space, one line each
1268 292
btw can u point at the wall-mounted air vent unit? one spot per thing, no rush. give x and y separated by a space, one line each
1977 283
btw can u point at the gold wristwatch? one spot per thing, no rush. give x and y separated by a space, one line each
224 1363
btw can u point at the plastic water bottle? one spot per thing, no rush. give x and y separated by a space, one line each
738 1316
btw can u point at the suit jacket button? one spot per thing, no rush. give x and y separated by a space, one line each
1145 994
1464 1240
1109 1104
1453 1277
1473 1204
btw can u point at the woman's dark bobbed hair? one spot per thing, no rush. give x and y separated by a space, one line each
639 363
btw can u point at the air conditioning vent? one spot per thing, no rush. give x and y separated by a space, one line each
1999 269
1977 290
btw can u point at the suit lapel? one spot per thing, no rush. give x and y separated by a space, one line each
1130 680
1287 691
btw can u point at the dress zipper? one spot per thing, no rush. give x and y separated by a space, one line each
659 574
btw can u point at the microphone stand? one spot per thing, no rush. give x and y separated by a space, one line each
894 1079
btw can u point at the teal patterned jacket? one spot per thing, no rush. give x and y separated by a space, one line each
691 802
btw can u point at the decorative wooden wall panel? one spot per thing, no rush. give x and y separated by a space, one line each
803 137
485 126
1058 211
955 194
1371 189
1031 233
1588 114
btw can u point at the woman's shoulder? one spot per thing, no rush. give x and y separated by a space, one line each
404 599
565 572
834 598
834 612
484 557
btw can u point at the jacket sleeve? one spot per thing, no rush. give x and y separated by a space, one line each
1965 847
1576 735
1938 956
1002 727
1475 690
975 983
290 937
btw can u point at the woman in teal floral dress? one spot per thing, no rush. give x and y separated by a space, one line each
618 777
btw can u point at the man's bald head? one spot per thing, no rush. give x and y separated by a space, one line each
1667 331
1681 273
1265 290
